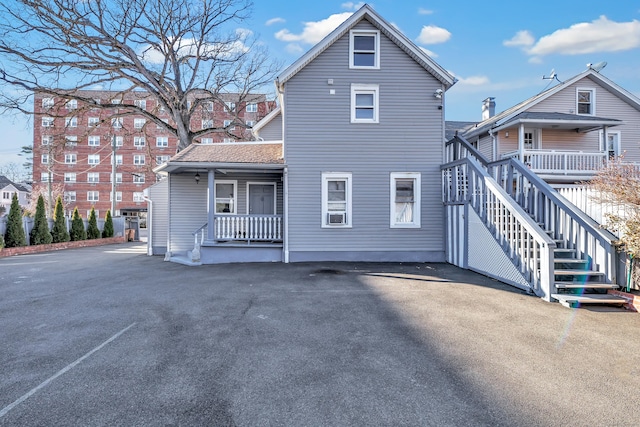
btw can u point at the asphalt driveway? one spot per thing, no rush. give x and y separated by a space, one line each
110 336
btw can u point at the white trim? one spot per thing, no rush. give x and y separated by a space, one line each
359 88
417 205
376 49
275 194
603 146
336 176
593 100
234 202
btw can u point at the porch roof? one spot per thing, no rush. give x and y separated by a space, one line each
554 120
235 154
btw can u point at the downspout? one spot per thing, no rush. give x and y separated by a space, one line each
286 215
211 206
167 255
149 225
605 143
521 142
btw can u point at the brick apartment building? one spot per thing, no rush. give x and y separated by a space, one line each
73 144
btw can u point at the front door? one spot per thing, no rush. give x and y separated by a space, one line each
262 199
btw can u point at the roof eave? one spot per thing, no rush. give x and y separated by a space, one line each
172 167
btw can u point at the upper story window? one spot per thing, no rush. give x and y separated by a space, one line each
162 141
71 122
364 103
364 49
139 141
94 141
405 200
71 104
206 141
586 100
70 158
71 140
47 103
93 121
47 122
140 103
230 106
139 123
44 159
47 139
162 160
252 107
118 140
116 122
207 123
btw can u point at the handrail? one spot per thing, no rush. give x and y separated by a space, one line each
459 147
200 228
528 247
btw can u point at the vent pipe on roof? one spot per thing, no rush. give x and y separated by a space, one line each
488 108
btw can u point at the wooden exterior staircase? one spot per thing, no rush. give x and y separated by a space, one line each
562 253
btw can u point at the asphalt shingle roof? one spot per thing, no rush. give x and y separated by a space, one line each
257 153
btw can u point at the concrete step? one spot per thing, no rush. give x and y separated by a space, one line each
574 300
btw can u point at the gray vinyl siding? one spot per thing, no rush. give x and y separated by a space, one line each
320 138
272 131
187 212
159 195
485 146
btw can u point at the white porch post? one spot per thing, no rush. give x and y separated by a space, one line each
211 208
605 143
521 142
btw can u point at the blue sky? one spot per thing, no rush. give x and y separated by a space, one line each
495 48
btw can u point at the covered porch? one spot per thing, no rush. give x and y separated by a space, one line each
558 146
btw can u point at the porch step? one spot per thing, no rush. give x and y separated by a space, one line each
587 273
587 285
575 300
572 263
564 253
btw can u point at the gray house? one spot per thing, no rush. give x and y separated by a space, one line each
347 168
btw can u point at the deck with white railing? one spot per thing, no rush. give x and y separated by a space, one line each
561 162
248 228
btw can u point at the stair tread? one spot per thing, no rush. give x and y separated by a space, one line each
590 298
577 273
570 260
588 285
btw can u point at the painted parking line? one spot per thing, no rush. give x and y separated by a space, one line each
62 371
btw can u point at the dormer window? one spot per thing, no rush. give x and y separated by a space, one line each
586 101
364 49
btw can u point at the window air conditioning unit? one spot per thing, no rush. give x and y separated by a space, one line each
337 218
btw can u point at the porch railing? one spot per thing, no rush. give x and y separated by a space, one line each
561 162
248 228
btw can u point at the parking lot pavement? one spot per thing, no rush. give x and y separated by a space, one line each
110 336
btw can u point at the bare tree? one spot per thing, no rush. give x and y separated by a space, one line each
185 53
13 171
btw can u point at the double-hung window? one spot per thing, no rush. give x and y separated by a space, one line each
118 196
94 159
336 199
364 103
118 140
94 141
47 103
47 139
116 122
160 160
586 101
69 177
44 159
207 123
162 141
118 178
71 122
364 49
226 195
138 159
138 196
405 200
69 196
138 141
93 121
139 123
93 177
70 158
252 107
206 141
71 104
138 178
93 196
44 177
47 122
140 103
71 140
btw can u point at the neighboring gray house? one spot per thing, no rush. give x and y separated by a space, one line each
348 168
8 188
560 133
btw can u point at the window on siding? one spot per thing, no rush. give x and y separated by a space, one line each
336 199
405 200
226 196
364 103
586 101
364 48
612 146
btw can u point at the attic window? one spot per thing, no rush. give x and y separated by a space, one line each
364 49
586 101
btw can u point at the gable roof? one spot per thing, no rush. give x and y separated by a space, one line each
265 120
5 182
511 113
366 12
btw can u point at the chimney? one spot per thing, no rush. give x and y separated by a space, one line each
488 108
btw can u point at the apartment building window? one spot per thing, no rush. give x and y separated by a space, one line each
47 103
70 177
44 177
93 196
138 178
44 159
71 140
207 124
118 140
206 141
71 104
230 106
252 107
118 178
94 159
139 123
116 122
208 106
138 196
47 140
69 196
364 48
93 177
364 103
250 123
94 141
118 196
140 103
586 101
47 122
160 160
116 101
162 141
93 121
138 159
227 124
70 159
95 211
405 200
228 140
336 199
138 141
118 159
71 122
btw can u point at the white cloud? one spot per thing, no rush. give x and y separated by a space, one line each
294 48
276 20
522 38
351 5
423 11
429 52
473 81
188 47
430 34
313 32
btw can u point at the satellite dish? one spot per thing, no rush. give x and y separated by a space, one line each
597 67
552 74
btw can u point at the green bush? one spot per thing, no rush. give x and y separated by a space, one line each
92 229
40 234
1 241
59 232
14 236
77 227
107 231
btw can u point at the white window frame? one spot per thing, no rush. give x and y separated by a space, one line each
47 140
93 121
230 106
70 177
48 122
207 123
117 122
336 176
416 178
93 159
233 202
206 141
44 177
140 103
118 196
139 141
162 141
227 123
70 140
70 159
138 196
139 123
118 178
44 159
93 140
617 149
71 104
252 107
593 100
139 159
376 53
161 160
90 195
118 139
93 177
69 196
96 212
48 103
250 123
138 178
118 159
365 89
71 122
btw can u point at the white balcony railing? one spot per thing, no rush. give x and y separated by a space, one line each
561 162
266 228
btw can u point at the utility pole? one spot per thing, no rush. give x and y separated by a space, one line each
113 176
